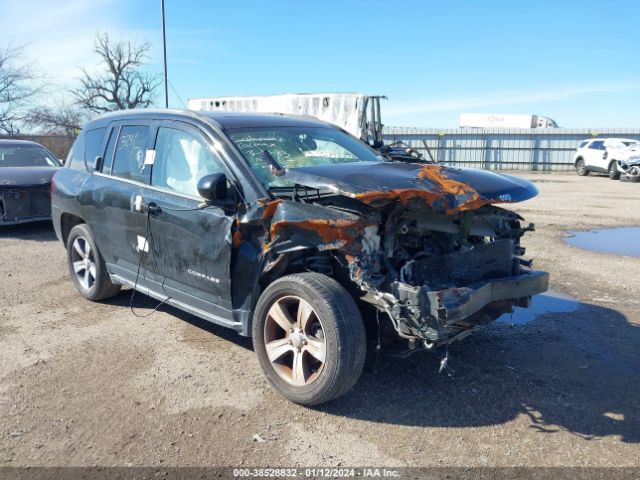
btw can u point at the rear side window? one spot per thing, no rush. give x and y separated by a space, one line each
582 145
128 161
597 145
182 159
111 146
75 159
93 146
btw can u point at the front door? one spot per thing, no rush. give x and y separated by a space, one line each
190 246
594 154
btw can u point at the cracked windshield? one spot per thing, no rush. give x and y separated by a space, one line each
294 147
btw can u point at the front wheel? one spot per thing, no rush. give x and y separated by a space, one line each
581 168
614 174
309 338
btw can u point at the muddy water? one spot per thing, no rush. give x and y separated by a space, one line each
616 241
548 302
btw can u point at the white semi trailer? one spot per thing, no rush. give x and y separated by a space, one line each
502 120
356 113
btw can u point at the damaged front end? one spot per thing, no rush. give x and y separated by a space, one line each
424 244
446 275
629 170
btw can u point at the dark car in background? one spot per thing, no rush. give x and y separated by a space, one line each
289 229
26 170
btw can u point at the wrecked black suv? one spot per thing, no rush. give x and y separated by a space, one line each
289 229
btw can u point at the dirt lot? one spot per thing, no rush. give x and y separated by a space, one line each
84 383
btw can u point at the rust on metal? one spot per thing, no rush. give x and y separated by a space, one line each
268 207
334 233
449 196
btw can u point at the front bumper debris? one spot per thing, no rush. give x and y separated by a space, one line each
440 315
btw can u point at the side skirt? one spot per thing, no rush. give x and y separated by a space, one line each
237 326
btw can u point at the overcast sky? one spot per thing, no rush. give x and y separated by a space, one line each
574 61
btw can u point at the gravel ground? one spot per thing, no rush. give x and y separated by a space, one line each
86 383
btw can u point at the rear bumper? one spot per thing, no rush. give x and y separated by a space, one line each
440 315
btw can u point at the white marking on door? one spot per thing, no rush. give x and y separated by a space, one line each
143 245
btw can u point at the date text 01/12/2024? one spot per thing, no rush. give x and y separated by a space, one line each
316 472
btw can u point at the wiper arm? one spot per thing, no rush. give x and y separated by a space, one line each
273 165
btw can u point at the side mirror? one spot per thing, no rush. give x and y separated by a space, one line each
213 187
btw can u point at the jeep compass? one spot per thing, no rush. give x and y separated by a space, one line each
292 231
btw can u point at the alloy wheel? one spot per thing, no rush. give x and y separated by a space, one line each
294 340
83 261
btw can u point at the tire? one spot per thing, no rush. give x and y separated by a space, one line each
87 266
334 322
614 174
581 168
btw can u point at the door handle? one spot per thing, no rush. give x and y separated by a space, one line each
153 208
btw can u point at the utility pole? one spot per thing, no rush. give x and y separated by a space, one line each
164 50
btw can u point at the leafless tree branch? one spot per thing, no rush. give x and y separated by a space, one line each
121 84
62 119
17 86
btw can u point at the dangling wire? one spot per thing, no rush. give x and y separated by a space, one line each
149 244
141 252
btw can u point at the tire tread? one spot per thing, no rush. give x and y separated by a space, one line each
350 333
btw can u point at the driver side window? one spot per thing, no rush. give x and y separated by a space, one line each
181 160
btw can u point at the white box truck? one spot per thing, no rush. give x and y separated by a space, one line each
505 120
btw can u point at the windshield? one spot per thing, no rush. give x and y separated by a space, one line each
26 156
297 147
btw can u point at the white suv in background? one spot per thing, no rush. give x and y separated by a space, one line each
602 155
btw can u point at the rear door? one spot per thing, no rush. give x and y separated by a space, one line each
190 246
118 223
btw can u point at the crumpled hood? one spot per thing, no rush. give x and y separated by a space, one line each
632 161
26 176
445 189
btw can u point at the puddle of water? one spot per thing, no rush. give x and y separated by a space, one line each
548 302
617 241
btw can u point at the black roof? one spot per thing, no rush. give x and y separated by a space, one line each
221 120
10 142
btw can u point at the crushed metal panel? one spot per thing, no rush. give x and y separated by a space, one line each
315 226
446 190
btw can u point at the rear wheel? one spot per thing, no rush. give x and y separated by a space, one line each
87 267
581 168
309 338
614 174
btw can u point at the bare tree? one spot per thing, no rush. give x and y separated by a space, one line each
62 119
17 86
122 84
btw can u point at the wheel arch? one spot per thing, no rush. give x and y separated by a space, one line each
290 263
67 222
